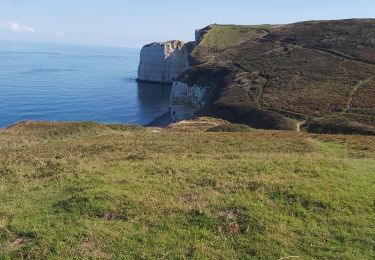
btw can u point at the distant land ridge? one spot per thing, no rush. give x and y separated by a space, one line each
315 76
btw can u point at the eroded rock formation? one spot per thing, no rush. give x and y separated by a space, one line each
186 100
163 62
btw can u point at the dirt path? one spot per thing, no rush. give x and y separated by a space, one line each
299 124
334 53
354 91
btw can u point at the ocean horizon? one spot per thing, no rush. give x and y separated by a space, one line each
65 82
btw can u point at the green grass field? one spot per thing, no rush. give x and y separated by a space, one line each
82 190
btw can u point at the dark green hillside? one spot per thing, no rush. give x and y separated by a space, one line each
266 75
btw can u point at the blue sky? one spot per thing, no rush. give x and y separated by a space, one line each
137 22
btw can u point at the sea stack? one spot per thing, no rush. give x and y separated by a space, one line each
164 62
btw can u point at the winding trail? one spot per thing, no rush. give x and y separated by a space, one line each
330 52
349 104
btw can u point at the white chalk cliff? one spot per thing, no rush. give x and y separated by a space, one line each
163 62
166 62
186 100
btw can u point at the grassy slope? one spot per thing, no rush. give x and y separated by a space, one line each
308 70
87 190
218 38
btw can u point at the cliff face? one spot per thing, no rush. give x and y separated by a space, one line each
186 100
163 62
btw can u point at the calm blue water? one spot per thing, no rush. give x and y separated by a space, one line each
75 83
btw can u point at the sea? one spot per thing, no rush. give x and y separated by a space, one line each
61 82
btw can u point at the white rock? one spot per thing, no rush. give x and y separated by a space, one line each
186 100
163 62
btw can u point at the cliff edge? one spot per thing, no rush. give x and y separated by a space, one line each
163 62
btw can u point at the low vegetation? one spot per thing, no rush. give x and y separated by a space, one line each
337 125
82 190
230 128
264 75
